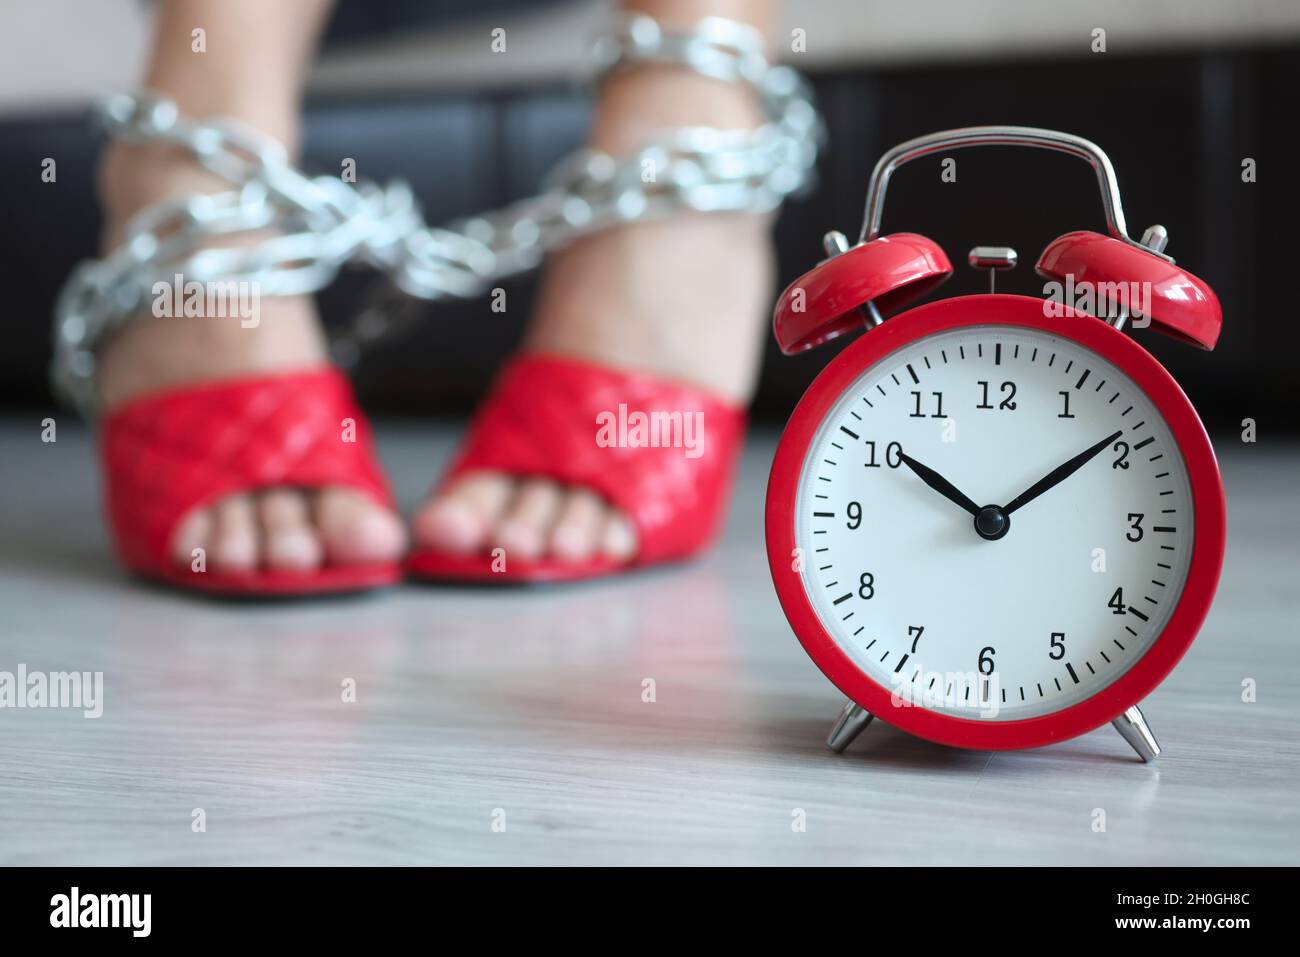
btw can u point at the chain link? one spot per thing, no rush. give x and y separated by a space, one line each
284 233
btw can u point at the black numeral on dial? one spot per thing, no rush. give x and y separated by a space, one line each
914 632
938 406
1008 400
893 455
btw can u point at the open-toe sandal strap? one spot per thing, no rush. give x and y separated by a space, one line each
169 452
661 451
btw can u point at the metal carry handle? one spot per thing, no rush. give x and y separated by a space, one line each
1153 241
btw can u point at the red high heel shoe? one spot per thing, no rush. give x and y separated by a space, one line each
167 453
610 431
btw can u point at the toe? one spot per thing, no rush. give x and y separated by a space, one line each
357 530
234 536
619 537
579 525
192 533
459 518
289 540
527 524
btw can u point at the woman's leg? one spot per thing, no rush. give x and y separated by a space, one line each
684 298
252 69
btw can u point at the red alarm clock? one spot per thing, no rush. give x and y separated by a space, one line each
996 521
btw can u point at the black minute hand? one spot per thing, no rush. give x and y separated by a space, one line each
1058 475
940 484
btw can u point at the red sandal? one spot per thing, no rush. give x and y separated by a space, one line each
661 451
167 453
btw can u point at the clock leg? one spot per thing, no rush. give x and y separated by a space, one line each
1133 727
853 718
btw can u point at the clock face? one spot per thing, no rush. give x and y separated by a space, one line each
994 522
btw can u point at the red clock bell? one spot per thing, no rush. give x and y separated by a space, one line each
996 521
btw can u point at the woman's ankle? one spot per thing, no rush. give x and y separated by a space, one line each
133 176
153 351
638 105
686 297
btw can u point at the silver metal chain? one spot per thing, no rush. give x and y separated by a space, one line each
285 233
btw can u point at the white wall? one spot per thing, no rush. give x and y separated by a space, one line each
63 53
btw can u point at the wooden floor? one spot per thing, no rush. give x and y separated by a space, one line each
477 707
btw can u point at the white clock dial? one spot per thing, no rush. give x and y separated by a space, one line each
1085 573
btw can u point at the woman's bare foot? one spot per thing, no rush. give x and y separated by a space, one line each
283 528
683 298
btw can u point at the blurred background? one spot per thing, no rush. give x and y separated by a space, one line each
1185 91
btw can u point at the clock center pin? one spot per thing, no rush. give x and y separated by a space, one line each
991 522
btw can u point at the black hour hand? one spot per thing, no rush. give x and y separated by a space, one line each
940 484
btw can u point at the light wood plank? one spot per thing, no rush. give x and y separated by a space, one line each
530 701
